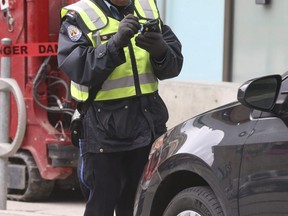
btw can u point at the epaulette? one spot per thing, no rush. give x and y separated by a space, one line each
71 16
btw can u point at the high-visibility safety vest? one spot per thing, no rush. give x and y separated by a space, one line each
135 77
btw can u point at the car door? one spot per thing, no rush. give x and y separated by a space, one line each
263 179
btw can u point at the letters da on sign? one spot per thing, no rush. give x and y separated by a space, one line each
47 48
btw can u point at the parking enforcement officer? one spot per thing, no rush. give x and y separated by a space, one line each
101 44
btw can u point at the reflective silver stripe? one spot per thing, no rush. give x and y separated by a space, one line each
93 9
147 78
79 87
91 13
96 37
128 81
146 8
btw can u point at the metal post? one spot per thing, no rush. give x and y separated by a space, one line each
4 125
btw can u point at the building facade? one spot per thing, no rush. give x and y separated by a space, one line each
229 40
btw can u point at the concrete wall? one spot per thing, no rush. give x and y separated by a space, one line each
184 99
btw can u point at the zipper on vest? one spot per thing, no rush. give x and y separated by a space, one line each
134 69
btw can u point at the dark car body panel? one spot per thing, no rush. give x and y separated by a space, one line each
264 170
199 145
240 152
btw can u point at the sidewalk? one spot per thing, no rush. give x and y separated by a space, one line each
57 205
43 209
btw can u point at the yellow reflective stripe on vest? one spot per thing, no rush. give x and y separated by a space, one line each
94 19
100 20
123 77
120 83
127 91
79 92
92 16
147 9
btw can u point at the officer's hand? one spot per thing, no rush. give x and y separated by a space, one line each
153 43
126 30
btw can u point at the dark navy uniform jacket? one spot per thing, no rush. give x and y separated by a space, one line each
124 124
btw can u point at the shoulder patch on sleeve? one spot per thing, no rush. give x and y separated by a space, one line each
74 33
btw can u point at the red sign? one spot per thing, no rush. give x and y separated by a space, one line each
34 49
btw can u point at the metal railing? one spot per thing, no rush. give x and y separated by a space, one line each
7 149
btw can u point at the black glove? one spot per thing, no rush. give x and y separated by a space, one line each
153 43
128 27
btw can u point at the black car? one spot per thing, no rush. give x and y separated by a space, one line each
232 160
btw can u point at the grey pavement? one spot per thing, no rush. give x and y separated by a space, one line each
60 204
51 208
63 208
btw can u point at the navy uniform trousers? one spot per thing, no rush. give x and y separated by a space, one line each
107 177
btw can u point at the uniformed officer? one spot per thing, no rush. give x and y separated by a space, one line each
100 45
